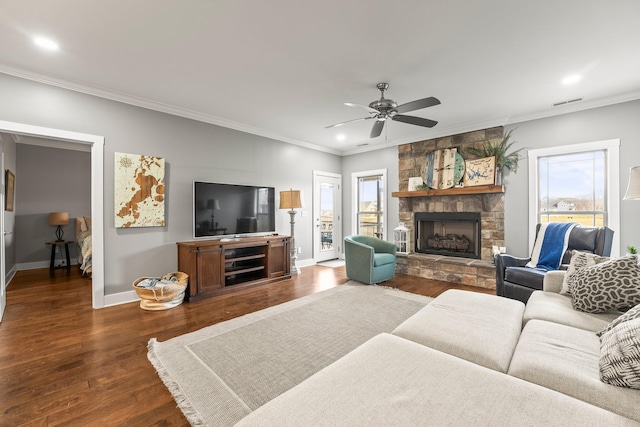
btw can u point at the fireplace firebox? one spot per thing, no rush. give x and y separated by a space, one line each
448 233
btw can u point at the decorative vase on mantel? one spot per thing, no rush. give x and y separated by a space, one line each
499 176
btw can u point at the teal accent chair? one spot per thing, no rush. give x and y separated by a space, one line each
369 259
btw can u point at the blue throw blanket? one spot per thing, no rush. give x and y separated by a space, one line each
551 244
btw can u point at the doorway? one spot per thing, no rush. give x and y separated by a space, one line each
56 137
327 216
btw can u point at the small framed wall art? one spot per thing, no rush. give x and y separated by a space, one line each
480 171
415 182
10 182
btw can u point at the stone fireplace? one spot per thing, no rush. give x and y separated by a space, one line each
455 265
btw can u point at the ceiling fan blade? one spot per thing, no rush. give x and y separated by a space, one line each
417 104
377 129
348 121
418 121
362 107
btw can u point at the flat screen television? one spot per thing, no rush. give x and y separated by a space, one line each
230 210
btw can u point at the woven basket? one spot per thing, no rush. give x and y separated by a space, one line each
165 297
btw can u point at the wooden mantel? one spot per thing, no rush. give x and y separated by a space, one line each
478 189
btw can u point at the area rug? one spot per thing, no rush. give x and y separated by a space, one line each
221 373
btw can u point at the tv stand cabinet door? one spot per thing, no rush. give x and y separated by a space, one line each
210 276
279 263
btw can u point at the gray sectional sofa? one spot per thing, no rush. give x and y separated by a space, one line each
468 359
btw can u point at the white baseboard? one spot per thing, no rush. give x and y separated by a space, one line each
120 298
305 262
8 277
36 264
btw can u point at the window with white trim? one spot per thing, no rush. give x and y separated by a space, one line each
575 183
370 203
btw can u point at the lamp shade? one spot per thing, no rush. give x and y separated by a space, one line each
213 204
633 188
59 218
290 199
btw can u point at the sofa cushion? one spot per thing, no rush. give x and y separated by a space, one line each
633 313
383 259
566 359
389 381
614 284
481 328
579 260
525 276
558 308
620 355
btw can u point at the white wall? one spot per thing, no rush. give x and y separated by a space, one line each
192 151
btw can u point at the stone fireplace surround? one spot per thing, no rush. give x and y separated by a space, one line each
473 272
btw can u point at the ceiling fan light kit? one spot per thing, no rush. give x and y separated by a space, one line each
383 109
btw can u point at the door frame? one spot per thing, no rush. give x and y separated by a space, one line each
3 279
97 193
337 214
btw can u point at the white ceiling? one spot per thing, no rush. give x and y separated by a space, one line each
284 68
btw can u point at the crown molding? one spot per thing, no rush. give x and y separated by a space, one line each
157 106
218 121
502 121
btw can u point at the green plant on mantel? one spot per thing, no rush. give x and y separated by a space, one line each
504 159
632 249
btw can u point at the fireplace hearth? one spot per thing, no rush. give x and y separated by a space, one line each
455 234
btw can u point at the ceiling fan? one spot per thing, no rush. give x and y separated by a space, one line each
384 109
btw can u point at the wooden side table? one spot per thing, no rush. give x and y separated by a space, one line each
53 244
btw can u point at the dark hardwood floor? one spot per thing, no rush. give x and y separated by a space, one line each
63 363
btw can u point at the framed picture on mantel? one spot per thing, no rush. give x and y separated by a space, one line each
9 190
480 171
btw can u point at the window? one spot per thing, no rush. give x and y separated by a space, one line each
370 203
575 183
571 188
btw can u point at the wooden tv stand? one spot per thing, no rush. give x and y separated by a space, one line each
220 266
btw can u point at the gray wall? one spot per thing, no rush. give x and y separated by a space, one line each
9 150
192 151
386 158
48 180
199 151
619 121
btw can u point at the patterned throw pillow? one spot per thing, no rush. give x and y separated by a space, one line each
620 355
634 313
611 285
579 260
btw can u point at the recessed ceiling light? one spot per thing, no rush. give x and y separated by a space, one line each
340 137
569 80
46 43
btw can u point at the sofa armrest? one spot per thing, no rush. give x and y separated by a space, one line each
553 281
502 262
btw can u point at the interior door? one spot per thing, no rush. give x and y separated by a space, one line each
3 291
327 213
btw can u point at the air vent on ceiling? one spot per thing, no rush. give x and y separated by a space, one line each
571 101
362 145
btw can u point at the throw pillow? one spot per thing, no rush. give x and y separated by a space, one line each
634 313
579 260
620 355
611 285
